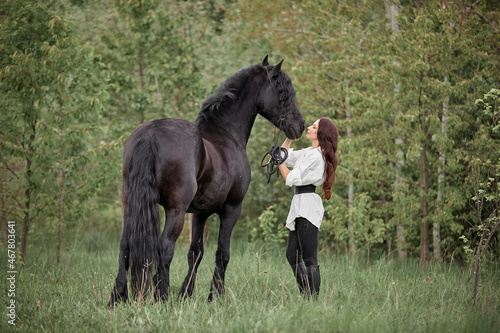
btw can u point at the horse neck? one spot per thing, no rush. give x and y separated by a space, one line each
235 119
235 124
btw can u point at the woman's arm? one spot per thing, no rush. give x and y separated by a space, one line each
283 168
287 143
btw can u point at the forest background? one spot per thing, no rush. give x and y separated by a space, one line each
411 85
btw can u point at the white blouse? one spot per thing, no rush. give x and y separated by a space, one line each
308 167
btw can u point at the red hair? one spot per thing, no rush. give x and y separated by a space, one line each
328 138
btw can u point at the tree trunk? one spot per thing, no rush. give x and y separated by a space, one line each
60 215
436 241
141 77
401 241
391 9
386 222
400 229
352 245
436 228
477 272
424 208
28 192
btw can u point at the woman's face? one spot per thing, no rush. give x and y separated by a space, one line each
312 131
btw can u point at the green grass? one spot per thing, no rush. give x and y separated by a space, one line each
261 295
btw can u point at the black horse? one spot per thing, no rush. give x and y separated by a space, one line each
199 167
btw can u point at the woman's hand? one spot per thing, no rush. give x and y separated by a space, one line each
287 143
283 169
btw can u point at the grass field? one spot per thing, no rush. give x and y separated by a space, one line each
261 295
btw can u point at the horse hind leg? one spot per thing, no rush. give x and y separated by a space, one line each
173 227
194 256
119 293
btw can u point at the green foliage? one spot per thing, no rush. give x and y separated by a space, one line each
484 177
151 70
367 229
491 112
268 229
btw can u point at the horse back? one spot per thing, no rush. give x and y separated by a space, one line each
194 169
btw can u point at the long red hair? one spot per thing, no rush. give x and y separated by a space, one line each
328 138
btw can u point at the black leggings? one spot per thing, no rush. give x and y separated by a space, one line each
303 243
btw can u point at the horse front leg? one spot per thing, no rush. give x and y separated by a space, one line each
195 254
119 292
228 219
173 228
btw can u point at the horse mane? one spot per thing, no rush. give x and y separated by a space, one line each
230 89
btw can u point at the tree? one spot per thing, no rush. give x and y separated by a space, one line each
485 179
154 74
24 77
392 12
436 90
48 128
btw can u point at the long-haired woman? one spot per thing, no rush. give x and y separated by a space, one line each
311 167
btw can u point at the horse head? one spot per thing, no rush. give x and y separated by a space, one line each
277 101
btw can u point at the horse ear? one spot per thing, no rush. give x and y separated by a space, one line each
276 69
265 62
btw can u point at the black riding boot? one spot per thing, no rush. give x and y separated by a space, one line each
299 271
314 279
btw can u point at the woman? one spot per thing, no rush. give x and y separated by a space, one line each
313 166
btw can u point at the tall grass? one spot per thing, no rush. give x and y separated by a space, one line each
261 295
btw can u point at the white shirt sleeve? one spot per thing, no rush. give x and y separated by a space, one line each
292 158
309 170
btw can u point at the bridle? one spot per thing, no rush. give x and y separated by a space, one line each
275 154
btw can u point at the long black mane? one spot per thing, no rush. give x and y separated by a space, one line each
229 90
234 85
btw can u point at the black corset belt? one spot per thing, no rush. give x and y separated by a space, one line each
304 189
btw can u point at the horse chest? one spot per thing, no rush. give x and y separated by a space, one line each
211 196
223 175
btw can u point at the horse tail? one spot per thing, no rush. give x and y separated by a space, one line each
142 220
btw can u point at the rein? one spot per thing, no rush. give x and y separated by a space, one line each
275 157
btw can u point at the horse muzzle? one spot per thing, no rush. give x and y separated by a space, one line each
294 130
